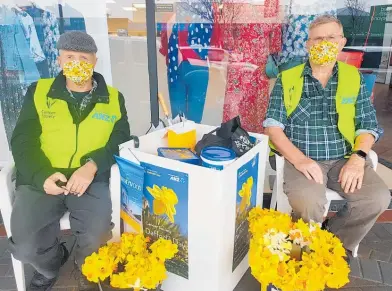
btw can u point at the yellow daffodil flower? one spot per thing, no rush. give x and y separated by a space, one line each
144 265
164 202
317 263
246 194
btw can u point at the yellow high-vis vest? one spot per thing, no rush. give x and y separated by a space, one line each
349 84
62 141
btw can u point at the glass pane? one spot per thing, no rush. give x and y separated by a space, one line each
128 56
213 55
368 28
118 28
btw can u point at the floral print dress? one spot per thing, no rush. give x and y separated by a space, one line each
296 28
51 35
247 85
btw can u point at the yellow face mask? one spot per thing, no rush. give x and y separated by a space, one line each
324 53
79 72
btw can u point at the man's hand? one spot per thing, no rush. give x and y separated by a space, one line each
50 186
310 169
81 179
351 175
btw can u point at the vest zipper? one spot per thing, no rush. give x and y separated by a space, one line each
76 146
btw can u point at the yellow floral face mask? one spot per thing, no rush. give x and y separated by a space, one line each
78 72
324 53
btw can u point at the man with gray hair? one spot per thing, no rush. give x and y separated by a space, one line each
321 119
63 145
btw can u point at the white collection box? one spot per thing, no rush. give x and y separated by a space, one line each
206 215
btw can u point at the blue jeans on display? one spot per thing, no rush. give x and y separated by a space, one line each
188 93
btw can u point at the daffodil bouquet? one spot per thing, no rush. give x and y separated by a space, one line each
294 256
133 263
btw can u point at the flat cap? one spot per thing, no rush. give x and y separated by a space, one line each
77 41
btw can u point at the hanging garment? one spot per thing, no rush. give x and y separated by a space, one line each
294 38
51 35
31 36
47 28
271 8
186 47
17 68
295 31
16 48
247 87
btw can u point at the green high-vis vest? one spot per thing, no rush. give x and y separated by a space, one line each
62 141
349 84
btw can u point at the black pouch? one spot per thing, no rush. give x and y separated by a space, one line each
210 139
240 141
229 135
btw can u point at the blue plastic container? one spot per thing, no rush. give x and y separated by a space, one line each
217 157
180 154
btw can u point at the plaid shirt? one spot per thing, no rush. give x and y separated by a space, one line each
312 127
86 100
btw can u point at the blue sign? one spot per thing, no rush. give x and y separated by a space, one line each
247 180
165 212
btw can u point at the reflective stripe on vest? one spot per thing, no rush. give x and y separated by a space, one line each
65 143
349 84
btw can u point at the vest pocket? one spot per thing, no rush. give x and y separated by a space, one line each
302 113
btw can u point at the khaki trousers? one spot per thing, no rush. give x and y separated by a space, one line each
353 222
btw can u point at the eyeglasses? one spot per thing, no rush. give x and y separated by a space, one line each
331 38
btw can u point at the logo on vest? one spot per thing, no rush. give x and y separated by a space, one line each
104 117
47 114
50 102
348 100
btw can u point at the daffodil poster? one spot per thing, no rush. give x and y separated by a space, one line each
132 179
247 177
165 212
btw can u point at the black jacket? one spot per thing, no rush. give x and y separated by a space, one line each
33 167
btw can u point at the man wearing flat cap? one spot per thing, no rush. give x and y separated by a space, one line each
63 145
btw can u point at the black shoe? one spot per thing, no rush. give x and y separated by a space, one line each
324 225
40 283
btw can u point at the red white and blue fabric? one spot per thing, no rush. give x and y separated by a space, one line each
199 39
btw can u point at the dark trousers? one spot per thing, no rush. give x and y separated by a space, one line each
35 225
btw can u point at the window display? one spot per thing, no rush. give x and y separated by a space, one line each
211 55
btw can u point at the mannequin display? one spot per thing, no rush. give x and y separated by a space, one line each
250 39
186 40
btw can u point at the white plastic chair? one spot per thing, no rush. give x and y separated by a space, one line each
280 200
7 189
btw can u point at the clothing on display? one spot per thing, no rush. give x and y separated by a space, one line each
295 30
186 47
271 8
28 38
247 87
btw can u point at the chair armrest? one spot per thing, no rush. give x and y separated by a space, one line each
277 191
115 194
373 158
7 189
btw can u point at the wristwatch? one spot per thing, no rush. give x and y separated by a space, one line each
360 153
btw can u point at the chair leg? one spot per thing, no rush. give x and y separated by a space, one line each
327 209
19 274
355 251
116 232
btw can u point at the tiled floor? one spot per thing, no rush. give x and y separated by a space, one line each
376 245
